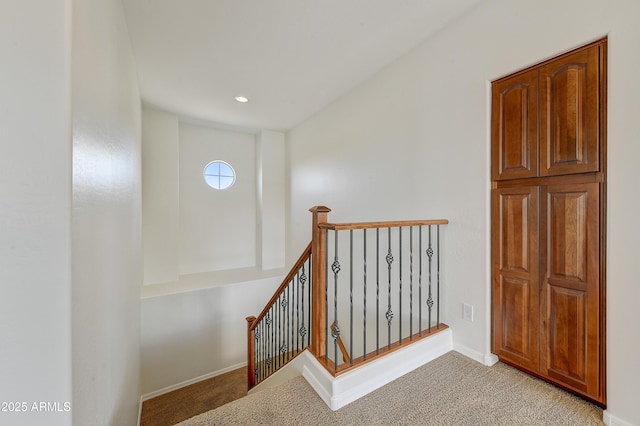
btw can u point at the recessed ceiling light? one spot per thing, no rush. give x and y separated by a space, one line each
242 99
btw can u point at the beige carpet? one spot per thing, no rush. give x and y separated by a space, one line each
451 390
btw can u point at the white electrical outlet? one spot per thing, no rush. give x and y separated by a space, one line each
467 312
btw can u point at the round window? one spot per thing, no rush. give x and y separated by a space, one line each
219 175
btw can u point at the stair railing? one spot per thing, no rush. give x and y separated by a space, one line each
283 328
386 293
382 288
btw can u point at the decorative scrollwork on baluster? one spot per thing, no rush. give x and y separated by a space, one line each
303 277
389 258
302 331
389 316
335 266
268 320
429 293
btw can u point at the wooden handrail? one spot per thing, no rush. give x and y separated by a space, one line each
303 258
316 255
392 224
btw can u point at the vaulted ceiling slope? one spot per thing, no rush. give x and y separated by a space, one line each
289 57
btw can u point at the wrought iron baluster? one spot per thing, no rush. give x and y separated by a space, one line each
411 282
297 327
283 337
275 335
294 323
293 326
326 302
283 331
335 333
420 281
256 348
438 276
275 352
302 331
351 296
295 291
389 314
400 285
269 322
279 336
289 326
364 310
259 346
265 344
263 348
308 329
290 320
429 297
287 317
377 290
285 325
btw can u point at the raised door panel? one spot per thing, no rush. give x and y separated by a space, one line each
515 275
570 289
569 114
514 127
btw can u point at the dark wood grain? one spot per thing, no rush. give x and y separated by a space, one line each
548 265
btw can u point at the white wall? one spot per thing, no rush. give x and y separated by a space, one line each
196 333
160 196
206 251
412 142
106 241
271 196
190 228
217 227
35 208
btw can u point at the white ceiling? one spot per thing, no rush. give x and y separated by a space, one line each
289 57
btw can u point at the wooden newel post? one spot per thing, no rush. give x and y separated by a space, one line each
318 281
251 362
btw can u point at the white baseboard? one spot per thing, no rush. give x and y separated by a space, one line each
339 391
190 382
469 353
611 420
485 359
490 359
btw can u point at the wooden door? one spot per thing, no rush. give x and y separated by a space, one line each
548 136
514 127
569 113
570 306
515 289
